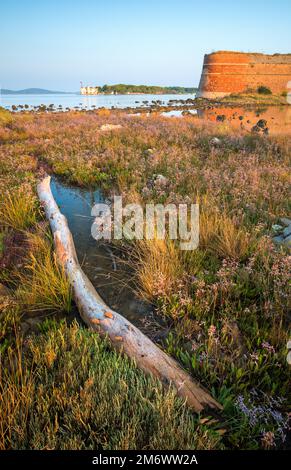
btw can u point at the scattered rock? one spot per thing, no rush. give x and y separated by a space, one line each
283 234
287 241
255 129
160 181
261 126
285 221
287 231
277 228
279 239
262 123
110 127
215 141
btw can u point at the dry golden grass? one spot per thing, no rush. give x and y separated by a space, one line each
43 286
17 391
6 118
18 209
158 267
221 236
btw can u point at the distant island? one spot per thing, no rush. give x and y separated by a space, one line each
119 89
123 89
33 91
146 89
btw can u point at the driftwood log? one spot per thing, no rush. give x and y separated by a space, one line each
97 315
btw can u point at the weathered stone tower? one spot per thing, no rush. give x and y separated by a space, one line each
226 72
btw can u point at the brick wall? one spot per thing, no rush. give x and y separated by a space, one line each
232 72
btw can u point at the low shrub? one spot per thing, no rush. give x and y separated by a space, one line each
264 90
6 117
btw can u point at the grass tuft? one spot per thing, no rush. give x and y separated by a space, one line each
158 267
43 285
18 209
221 236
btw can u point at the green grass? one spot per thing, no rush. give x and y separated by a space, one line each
254 98
71 391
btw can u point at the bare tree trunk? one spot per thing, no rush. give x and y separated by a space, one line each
97 315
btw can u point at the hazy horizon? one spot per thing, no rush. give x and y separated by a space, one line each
97 84
55 45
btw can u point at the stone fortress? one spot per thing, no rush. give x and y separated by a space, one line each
89 90
226 72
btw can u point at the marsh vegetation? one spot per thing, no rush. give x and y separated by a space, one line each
225 305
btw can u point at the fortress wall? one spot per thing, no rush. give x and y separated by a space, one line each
227 72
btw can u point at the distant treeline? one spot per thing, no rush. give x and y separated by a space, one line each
123 89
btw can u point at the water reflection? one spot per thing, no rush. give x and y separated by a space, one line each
76 100
278 118
99 261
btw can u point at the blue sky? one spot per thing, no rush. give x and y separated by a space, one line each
55 44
